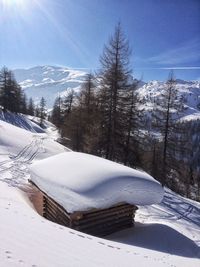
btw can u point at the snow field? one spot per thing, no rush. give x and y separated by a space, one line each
166 234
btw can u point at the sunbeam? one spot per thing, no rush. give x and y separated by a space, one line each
13 3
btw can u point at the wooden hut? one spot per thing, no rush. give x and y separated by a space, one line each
91 194
98 222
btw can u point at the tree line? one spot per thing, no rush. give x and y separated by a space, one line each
14 99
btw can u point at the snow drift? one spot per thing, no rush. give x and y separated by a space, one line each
80 182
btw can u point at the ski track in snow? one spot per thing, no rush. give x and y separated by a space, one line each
178 214
177 211
17 165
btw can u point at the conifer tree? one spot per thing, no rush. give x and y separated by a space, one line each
31 107
130 120
68 102
114 80
165 122
10 92
89 114
42 111
23 103
81 118
57 113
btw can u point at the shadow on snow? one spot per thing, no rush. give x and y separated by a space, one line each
158 237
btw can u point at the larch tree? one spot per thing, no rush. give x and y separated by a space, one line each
114 80
57 113
23 103
165 121
89 114
81 118
42 111
11 96
68 104
31 107
130 117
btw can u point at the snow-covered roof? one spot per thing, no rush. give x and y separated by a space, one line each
81 181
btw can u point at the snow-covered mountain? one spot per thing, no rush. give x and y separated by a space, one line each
48 81
189 91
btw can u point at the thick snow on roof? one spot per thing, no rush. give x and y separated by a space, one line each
81 181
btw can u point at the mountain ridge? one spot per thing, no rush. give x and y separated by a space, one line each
51 81
48 81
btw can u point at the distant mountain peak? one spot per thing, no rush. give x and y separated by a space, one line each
48 81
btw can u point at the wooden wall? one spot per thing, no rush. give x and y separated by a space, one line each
98 222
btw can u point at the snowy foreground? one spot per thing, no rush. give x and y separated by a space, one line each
166 234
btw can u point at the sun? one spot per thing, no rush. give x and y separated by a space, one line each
10 3
15 5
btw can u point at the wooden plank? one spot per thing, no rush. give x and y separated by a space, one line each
63 222
48 210
103 220
108 210
49 217
50 199
101 216
104 224
56 213
108 230
51 208
56 205
97 210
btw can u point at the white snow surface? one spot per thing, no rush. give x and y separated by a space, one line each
26 145
81 182
165 234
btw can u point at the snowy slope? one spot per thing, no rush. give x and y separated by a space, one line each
152 91
22 121
174 225
48 81
25 145
166 234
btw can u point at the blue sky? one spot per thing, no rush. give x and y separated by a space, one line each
163 34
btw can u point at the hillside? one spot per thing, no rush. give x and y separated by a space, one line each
48 81
165 234
189 91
